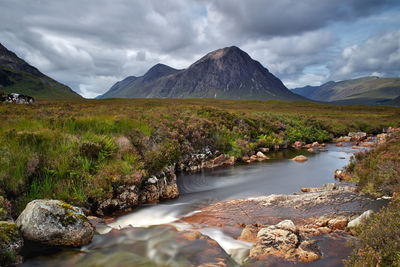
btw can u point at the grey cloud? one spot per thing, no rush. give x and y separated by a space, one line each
257 18
380 54
89 45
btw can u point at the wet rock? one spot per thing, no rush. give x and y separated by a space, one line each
367 144
315 144
161 187
310 150
307 146
249 233
55 223
338 223
339 144
322 150
357 221
300 158
357 136
355 147
298 145
221 160
264 149
261 155
124 197
283 241
11 243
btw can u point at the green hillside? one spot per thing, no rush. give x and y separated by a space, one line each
14 81
367 90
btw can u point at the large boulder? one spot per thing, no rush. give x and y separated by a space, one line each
55 223
11 243
17 98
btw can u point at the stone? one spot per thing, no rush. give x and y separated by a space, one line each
310 150
297 145
367 144
253 158
300 158
286 225
315 144
261 155
283 241
307 146
357 221
55 223
11 243
249 234
264 149
339 144
357 136
338 223
355 147
18 99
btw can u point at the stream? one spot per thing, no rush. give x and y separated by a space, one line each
150 237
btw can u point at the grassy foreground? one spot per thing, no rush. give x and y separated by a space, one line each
80 151
378 173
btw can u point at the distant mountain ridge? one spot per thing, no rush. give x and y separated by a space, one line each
17 76
227 73
366 90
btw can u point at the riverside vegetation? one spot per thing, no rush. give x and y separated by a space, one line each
378 174
82 151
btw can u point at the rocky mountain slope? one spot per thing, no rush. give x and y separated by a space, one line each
17 76
227 73
367 90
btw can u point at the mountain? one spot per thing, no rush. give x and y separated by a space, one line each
124 88
17 76
228 73
367 90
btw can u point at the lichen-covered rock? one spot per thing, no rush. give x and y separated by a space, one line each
284 241
55 223
11 243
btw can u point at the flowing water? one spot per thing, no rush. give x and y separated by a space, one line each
149 238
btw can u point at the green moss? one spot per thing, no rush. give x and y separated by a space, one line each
8 232
70 215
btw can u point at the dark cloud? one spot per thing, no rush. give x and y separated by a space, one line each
90 44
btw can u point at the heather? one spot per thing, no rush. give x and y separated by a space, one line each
378 173
81 151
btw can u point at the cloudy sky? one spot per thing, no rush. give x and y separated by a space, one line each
91 44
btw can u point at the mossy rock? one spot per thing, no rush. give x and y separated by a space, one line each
11 243
55 223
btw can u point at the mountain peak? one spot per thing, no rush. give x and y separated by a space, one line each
158 71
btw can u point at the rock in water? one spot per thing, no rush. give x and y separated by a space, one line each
55 223
283 241
11 243
300 158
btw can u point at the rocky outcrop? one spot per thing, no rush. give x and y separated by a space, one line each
283 241
55 223
156 188
11 243
17 98
162 186
357 221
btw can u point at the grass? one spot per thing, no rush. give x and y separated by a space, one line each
378 173
81 151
